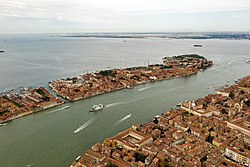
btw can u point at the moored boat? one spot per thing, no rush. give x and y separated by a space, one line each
78 158
2 124
129 87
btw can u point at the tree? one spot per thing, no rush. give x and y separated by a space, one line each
111 165
224 163
44 96
189 130
211 129
223 111
209 138
107 73
5 110
231 94
139 157
155 121
247 102
40 91
167 164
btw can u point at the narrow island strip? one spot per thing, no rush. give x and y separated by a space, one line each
100 82
24 101
210 131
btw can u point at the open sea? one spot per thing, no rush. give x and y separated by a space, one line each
47 138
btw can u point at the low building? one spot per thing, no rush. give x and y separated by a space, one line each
237 156
131 139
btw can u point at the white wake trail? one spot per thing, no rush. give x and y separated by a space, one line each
113 104
58 109
85 125
141 89
124 118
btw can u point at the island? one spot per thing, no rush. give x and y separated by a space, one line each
103 81
23 101
210 131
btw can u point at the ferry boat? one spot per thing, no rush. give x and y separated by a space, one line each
97 107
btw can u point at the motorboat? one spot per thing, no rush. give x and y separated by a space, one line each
97 107
129 87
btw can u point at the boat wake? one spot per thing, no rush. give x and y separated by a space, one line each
141 89
2 124
113 104
123 119
85 125
213 68
227 65
217 87
29 165
58 109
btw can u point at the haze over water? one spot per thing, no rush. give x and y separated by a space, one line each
47 138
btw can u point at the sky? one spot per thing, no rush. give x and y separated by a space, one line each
69 16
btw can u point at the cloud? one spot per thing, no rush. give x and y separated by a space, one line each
109 13
171 5
93 9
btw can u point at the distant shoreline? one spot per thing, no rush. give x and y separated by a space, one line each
167 35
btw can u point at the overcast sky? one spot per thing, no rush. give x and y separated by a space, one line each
43 16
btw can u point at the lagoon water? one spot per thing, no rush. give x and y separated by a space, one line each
47 138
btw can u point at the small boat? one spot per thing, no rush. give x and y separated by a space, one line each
78 158
29 165
198 45
129 87
2 124
65 107
97 107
